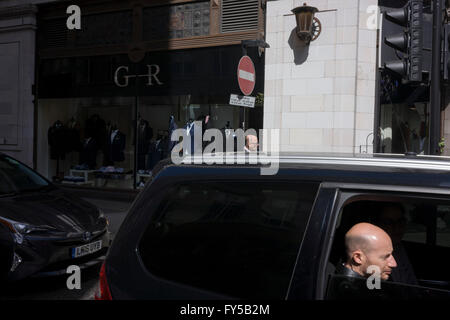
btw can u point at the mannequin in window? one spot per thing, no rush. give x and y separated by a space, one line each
144 136
96 128
73 135
155 152
57 140
172 127
88 153
116 146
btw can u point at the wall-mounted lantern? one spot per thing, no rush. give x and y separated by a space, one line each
308 26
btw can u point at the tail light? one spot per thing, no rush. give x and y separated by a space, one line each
103 288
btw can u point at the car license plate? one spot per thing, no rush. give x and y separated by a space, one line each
86 249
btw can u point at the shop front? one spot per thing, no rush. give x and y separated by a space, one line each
105 121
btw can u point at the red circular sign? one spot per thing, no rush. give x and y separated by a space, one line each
246 75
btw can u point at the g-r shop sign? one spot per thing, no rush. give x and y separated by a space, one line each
122 76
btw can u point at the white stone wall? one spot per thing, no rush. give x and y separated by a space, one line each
322 97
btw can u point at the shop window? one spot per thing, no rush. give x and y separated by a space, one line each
77 145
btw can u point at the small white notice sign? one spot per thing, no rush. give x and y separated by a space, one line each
242 101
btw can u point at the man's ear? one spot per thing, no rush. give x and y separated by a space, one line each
358 257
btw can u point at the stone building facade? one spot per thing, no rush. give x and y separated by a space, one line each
322 96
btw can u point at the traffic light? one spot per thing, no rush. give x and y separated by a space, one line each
402 41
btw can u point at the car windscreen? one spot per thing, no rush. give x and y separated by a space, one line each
17 178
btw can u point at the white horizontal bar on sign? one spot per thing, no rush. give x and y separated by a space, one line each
247 75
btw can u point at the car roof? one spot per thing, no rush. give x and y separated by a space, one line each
383 169
382 162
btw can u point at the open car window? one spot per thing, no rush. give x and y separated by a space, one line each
420 232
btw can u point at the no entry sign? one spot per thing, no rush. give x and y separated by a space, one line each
246 75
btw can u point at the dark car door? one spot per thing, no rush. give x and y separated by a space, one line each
309 265
222 234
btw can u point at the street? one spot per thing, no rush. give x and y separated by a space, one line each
55 288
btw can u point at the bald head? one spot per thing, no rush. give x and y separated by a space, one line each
364 236
251 142
367 244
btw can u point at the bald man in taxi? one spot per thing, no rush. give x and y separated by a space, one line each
367 245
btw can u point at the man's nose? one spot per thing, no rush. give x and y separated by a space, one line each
392 262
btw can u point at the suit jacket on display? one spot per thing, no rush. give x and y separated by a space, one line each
96 128
88 154
172 127
155 154
58 141
117 147
145 134
73 136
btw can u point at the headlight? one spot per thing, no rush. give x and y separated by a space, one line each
24 228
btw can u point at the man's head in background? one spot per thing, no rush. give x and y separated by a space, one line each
391 218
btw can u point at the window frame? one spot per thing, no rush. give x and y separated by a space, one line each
154 210
345 192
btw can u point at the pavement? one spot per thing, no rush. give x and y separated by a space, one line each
55 288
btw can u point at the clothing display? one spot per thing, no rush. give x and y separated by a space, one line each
116 146
73 136
73 179
81 167
155 154
101 137
172 127
88 153
58 141
96 128
145 135
112 173
145 172
111 169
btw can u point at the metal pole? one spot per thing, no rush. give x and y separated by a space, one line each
136 103
435 94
